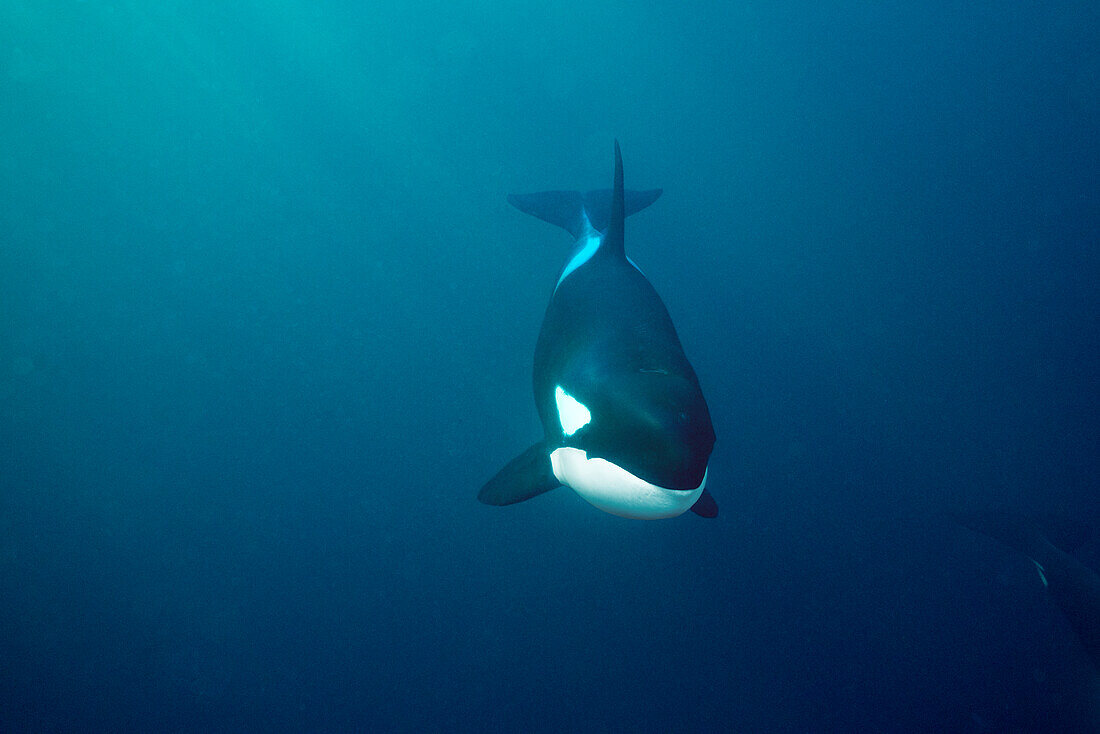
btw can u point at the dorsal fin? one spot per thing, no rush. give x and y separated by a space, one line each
613 239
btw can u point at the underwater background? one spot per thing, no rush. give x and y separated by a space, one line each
267 323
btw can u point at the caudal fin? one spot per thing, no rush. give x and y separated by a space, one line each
574 210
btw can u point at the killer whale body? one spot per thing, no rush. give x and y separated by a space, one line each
1073 586
1075 590
624 420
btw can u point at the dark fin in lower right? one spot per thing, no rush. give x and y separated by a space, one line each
565 208
526 476
705 506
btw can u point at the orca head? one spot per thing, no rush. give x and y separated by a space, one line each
652 424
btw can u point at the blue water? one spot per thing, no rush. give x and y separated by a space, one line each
266 326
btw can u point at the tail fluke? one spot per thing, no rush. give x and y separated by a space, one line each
565 208
574 211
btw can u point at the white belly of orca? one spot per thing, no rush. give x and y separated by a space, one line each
613 489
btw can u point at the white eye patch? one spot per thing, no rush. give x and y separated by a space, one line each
572 414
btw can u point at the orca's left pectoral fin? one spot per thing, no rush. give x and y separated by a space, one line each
705 506
526 476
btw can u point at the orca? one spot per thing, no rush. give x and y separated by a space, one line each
1073 587
625 424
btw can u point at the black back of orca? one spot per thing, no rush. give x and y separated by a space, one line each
608 347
